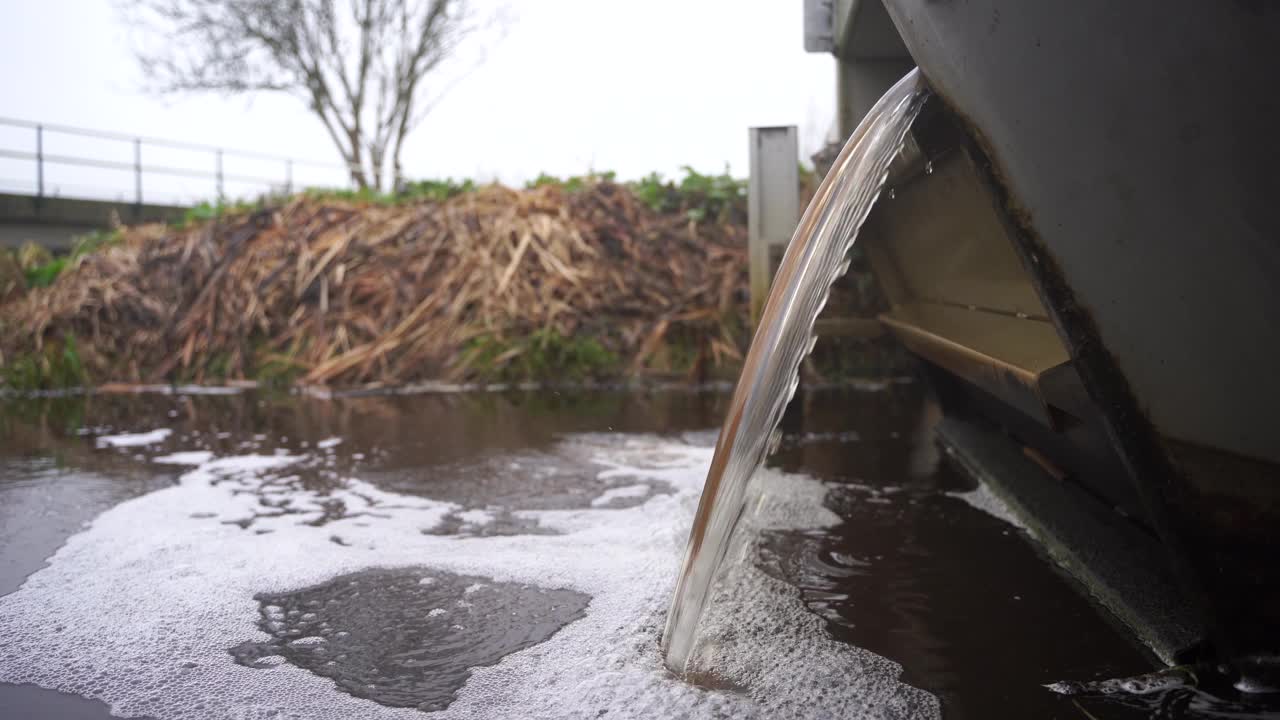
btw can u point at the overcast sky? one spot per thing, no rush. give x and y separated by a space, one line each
573 85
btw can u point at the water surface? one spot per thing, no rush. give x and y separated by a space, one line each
252 507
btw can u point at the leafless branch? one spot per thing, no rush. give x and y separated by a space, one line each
359 65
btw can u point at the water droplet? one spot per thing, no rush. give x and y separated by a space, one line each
892 193
928 167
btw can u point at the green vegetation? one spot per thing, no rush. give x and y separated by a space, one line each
419 190
717 198
92 242
540 355
689 212
573 183
701 197
57 365
277 369
44 275
41 268
714 198
206 211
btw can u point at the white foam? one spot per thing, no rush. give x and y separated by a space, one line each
179 389
140 608
190 457
134 439
981 498
475 517
329 442
621 492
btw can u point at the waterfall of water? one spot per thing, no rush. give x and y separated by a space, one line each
816 256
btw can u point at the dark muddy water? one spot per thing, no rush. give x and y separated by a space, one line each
463 551
403 637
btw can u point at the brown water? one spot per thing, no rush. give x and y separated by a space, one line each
406 637
961 600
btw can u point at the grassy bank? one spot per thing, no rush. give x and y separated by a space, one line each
578 278
582 278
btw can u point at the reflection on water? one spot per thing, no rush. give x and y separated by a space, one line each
957 596
554 492
43 500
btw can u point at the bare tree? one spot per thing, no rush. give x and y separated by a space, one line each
359 65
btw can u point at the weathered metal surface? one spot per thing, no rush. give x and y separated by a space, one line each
872 58
1138 177
863 30
1145 165
960 295
948 245
1119 564
1005 356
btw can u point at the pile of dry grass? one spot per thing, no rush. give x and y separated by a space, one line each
336 293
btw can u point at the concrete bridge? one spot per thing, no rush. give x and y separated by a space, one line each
54 221
41 212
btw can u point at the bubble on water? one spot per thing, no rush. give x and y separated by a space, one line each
309 640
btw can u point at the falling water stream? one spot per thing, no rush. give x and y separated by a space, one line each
815 258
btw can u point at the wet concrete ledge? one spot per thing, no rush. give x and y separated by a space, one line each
1119 566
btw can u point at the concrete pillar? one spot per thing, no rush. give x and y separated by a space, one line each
860 83
773 204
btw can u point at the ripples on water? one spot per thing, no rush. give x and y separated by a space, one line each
407 637
255 506
225 587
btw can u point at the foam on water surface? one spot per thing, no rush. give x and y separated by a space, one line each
984 500
134 439
190 457
141 609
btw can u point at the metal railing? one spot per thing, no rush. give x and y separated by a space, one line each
42 158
